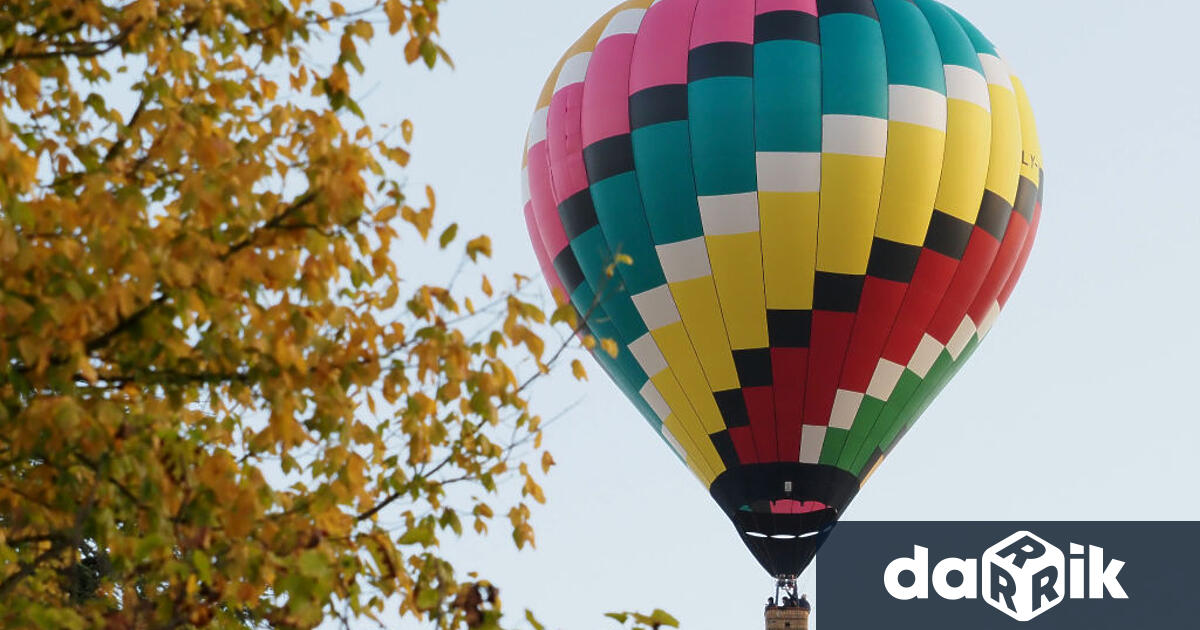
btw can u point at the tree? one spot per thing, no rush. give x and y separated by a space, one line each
215 386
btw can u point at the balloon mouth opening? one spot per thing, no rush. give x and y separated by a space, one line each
809 534
786 519
785 506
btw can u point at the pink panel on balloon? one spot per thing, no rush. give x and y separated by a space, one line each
806 6
660 56
539 250
566 143
606 90
545 210
722 21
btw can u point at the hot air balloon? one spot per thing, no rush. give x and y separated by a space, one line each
827 203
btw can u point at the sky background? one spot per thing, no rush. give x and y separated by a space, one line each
1079 406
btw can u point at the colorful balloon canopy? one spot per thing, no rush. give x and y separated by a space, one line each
827 204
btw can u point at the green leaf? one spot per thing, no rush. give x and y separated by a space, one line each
147 545
312 563
428 598
202 565
450 519
429 53
420 535
660 617
448 235
620 617
20 214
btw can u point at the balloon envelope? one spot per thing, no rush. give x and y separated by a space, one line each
826 204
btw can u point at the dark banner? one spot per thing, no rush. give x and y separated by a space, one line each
985 576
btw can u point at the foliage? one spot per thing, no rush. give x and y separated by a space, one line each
220 404
638 621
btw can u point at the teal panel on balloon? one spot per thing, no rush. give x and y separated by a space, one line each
787 96
912 51
721 111
982 44
618 202
624 369
595 257
854 74
663 156
953 43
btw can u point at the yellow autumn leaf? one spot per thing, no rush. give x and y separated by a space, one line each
412 50
479 245
339 82
28 85
578 370
610 347
398 155
396 14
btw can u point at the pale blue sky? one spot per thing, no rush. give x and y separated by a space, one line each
1079 405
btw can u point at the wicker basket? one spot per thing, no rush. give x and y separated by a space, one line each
790 618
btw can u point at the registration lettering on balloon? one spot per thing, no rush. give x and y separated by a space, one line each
827 204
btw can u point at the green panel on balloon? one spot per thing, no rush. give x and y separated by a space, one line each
868 413
835 440
930 389
891 416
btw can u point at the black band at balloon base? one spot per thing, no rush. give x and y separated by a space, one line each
784 542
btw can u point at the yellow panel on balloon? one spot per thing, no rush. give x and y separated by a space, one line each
1031 158
701 313
850 191
680 354
968 145
737 269
910 182
789 246
1005 163
687 421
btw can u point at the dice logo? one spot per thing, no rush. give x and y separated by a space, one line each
1024 576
